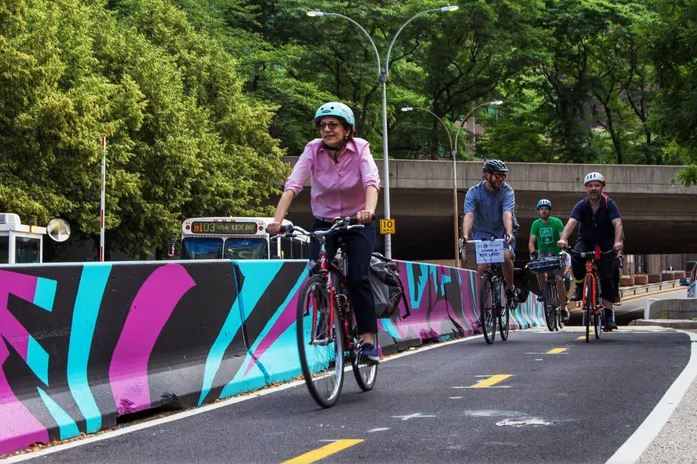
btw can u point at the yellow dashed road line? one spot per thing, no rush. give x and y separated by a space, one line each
323 452
489 381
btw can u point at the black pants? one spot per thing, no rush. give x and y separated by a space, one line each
606 268
358 245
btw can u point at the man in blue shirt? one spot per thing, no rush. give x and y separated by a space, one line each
489 211
600 224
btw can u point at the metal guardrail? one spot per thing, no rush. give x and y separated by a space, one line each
656 286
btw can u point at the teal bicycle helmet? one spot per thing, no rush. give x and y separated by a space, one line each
336 109
543 202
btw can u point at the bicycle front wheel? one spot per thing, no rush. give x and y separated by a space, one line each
588 302
365 374
598 325
558 306
320 345
487 308
550 316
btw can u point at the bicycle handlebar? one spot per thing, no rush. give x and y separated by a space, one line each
340 224
587 254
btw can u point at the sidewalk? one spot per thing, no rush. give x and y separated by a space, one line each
676 442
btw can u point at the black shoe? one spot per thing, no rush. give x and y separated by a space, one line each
577 294
369 354
565 315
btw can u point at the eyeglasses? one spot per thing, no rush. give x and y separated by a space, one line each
500 175
331 125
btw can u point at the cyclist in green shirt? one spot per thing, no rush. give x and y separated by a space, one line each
544 234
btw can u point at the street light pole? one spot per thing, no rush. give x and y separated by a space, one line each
453 151
383 74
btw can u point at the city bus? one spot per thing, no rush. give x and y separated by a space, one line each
237 238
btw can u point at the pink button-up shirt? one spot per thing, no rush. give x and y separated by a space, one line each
337 188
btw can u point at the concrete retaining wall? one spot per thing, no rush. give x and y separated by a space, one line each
671 309
82 344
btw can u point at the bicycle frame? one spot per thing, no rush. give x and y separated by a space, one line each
327 269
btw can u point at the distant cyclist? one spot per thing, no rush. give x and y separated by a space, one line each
544 235
345 182
600 224
489 211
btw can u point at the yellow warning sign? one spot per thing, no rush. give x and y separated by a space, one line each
388 226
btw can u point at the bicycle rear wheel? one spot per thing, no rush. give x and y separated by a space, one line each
320 347
487 310
550 314
365 374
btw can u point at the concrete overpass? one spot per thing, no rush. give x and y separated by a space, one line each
659 215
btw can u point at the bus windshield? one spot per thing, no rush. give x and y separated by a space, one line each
202 248
246 248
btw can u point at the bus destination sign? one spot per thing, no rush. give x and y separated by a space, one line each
223 227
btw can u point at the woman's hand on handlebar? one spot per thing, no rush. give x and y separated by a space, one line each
364 216
274 228
618 246
563 244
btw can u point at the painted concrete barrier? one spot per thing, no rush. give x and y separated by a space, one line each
84 344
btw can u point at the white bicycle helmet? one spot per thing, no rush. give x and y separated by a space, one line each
591 176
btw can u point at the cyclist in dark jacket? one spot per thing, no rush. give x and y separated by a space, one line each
600 224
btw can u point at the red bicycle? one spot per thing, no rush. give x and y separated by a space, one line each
325 329
590 301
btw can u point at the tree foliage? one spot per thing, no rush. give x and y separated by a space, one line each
200 100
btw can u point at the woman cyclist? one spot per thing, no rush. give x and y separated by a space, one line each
344 182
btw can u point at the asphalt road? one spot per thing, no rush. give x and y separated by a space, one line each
565 401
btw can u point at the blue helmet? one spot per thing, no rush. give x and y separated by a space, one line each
336 109
543 202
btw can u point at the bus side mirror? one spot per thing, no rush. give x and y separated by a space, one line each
172 248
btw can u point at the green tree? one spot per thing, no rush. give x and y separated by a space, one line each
670 42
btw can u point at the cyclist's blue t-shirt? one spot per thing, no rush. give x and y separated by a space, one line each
488 208
596 229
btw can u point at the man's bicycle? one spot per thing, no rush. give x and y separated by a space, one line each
590 301
493 304
550 295
326 333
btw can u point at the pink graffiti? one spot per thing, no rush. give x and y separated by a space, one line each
149 312
19 426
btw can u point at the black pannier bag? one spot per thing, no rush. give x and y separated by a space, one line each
386 286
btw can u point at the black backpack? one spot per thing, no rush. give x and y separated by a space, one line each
387 287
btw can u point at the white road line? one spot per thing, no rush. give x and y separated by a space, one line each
642 437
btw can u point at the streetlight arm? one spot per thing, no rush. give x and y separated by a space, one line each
445 126
467 116
352 21
443 9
